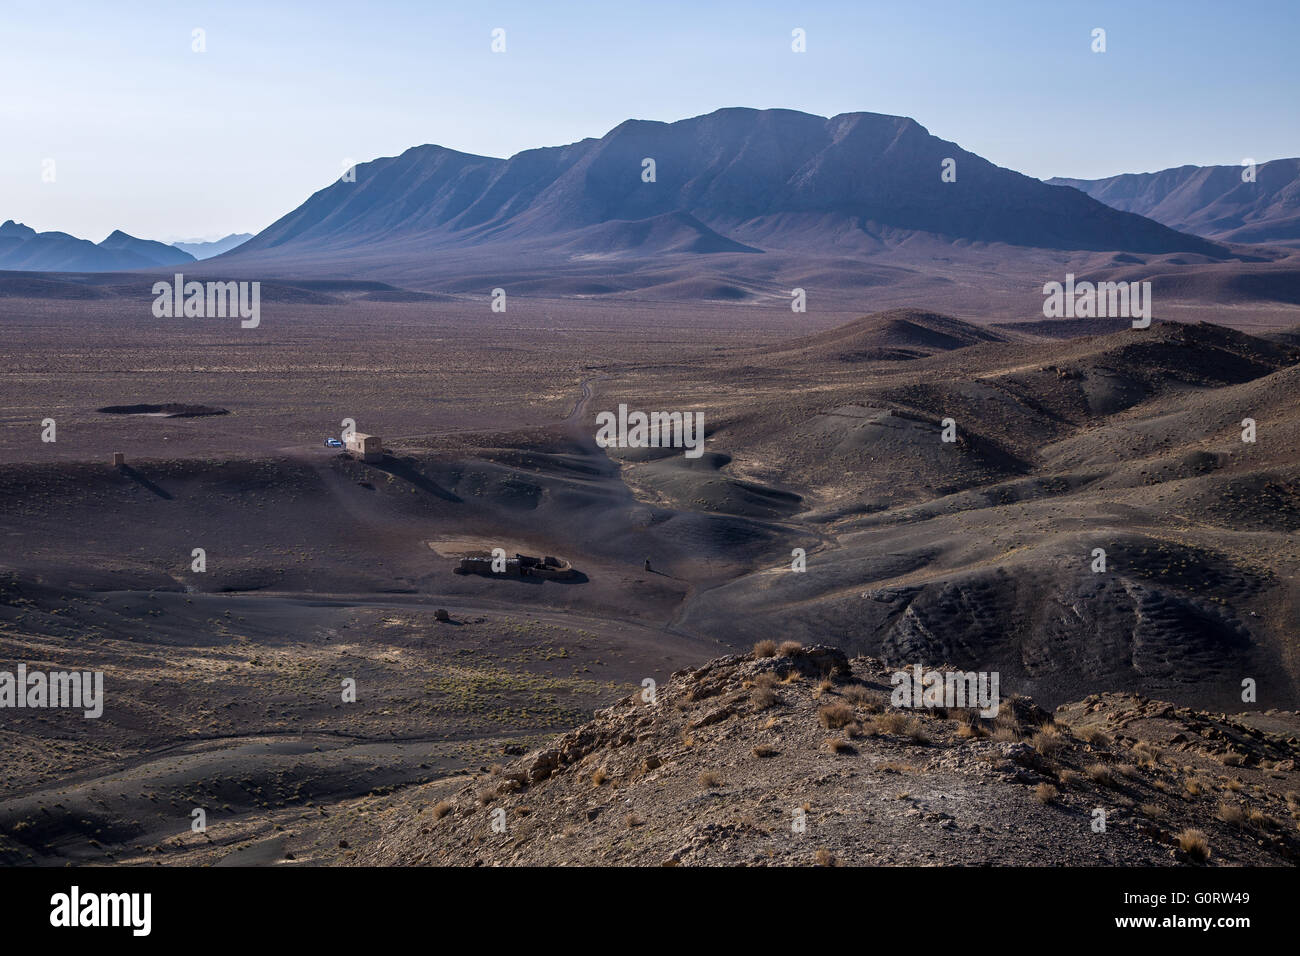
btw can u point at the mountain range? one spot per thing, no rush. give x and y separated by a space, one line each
202 249
1217 202
744 203
733 181
23 248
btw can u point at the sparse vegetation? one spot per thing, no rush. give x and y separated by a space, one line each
835 716
1195 844
711 779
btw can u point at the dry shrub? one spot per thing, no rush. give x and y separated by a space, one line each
1195 844
633 820
1094 736
600 776
1069 778
790 648
915 732
1147 754
441 809
835 716
1047 741
1152 810
763 750
1045 793
890 722
710 779
762 698
838 745
824 858
765 649
1231 813
1262 820
857 694
1100 774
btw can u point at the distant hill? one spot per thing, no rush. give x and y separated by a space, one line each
24 249
894 334
736 180
1209 201
206 250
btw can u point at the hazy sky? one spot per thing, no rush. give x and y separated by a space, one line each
163 142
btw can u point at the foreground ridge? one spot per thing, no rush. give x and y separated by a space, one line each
795 756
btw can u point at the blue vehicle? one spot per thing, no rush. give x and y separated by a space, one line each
333 443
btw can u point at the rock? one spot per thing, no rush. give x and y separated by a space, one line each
543 765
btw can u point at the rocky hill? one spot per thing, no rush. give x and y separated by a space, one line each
796 756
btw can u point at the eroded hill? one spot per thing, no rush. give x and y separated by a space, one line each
797 757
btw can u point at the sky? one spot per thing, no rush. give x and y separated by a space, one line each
110 119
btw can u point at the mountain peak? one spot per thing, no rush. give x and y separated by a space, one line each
16 230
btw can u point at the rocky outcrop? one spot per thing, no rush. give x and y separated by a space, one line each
799 757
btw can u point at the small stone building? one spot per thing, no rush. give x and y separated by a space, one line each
364 447
520 566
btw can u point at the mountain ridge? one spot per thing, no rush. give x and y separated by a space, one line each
22 248
1210 201
766 179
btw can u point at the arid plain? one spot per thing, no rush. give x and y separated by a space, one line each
223 687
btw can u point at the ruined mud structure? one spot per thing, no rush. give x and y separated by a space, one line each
520 566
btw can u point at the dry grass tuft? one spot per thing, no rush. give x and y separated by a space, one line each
710 779
1094 736
763 750
835 716
441 809
762 698
1231 813
890 722
790 648
1100 774
1047 741
765 649
1045 793
1195 844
